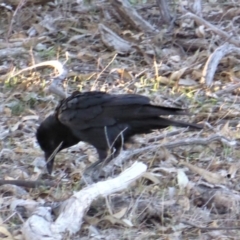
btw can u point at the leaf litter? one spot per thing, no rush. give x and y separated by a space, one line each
190 190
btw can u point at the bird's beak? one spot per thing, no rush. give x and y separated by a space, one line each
49 162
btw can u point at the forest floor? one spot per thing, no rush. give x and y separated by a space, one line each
190 190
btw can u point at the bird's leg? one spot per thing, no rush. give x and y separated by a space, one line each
105 156
91 173
94 170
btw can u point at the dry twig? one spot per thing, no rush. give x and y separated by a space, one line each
126 155
40 225
164 11
56 85
218 31
213 61
128 13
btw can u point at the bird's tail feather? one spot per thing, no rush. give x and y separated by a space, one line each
147 125
169 122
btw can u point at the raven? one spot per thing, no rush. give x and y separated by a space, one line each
103 120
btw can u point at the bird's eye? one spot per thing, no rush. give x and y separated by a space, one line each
52 144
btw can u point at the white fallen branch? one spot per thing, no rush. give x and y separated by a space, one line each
164 11
200 21
126 155
40 225
128 13
56 85
213 61
12 52
232 45
113 41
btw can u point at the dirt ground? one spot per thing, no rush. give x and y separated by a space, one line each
183 54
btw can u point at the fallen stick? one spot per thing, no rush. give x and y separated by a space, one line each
40 224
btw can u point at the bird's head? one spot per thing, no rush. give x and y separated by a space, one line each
52 137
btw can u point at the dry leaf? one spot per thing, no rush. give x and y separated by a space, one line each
175 76
5 234
121 213
182 179
200 31
125 74
213 178
187 82
151 176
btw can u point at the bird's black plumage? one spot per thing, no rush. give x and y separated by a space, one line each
103 120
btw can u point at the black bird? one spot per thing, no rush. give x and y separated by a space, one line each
102 120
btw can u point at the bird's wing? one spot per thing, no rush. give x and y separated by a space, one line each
99 109
95 109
